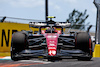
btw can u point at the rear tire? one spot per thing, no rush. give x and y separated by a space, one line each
18 44
83 42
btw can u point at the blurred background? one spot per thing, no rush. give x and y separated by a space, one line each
74 11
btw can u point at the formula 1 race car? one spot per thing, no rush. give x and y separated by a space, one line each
51 43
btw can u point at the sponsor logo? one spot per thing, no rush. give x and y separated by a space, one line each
52 52
51 44
51 36
6 31
51 47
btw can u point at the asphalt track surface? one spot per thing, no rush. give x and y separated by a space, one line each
95 62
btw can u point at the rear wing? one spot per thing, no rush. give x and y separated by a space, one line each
64 24
38 24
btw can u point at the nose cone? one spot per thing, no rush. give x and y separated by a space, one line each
52 52
52 40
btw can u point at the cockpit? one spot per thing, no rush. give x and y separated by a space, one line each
51 29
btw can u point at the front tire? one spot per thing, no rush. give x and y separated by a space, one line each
18 44
83 42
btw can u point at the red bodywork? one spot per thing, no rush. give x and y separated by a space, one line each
51 40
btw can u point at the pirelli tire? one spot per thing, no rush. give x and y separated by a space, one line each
84 43
19 43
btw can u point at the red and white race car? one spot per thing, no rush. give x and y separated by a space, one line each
51 43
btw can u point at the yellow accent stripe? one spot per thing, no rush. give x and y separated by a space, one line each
96 52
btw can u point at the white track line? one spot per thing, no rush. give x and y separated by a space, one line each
36 61
7 57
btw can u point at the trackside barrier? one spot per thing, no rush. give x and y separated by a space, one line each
6 31
97 35
96 52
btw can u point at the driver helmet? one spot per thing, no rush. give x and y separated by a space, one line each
47 28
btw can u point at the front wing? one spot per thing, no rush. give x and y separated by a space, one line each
44 53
